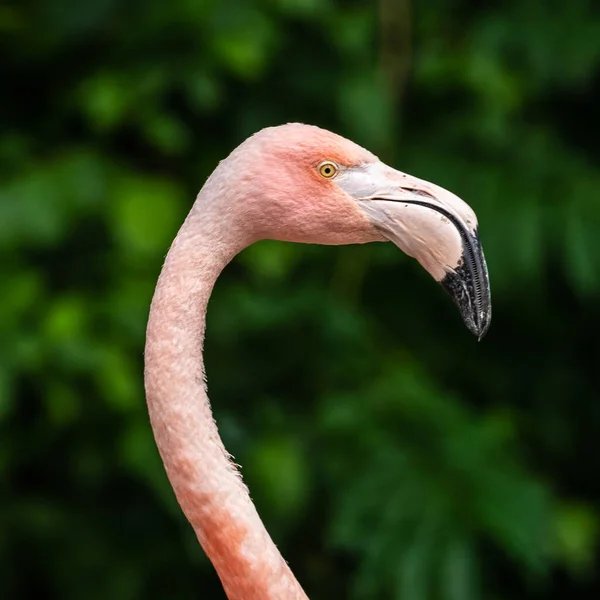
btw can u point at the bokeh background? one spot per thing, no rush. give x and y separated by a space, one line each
390 455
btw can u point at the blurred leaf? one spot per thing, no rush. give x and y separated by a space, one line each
460 573
372 127
167 133
271 260
107 100
245 41
146 214
117 381
66 319
277 467
577 534
205 90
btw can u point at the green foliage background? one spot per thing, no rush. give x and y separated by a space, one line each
391 456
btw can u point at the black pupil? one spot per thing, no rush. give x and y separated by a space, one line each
327 170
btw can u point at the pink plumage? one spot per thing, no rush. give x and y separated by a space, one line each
272 186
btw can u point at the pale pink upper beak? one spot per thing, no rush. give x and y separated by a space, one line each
432 225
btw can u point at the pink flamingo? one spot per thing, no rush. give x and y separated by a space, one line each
294 183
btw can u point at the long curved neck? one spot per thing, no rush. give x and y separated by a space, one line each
209 489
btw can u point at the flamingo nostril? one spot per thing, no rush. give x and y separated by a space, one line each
419 192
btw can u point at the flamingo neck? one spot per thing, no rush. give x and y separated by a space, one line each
208 488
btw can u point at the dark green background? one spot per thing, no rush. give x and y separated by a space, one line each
390 454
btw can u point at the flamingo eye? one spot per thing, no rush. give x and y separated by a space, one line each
328 169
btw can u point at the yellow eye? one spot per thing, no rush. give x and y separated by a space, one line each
328 169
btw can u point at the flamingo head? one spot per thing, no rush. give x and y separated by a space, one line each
310 185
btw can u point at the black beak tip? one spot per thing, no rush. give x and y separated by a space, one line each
469 286
476 319
484 321
477 325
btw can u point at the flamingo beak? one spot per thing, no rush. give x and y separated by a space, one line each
432 225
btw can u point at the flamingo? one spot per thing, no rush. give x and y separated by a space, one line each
296 183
